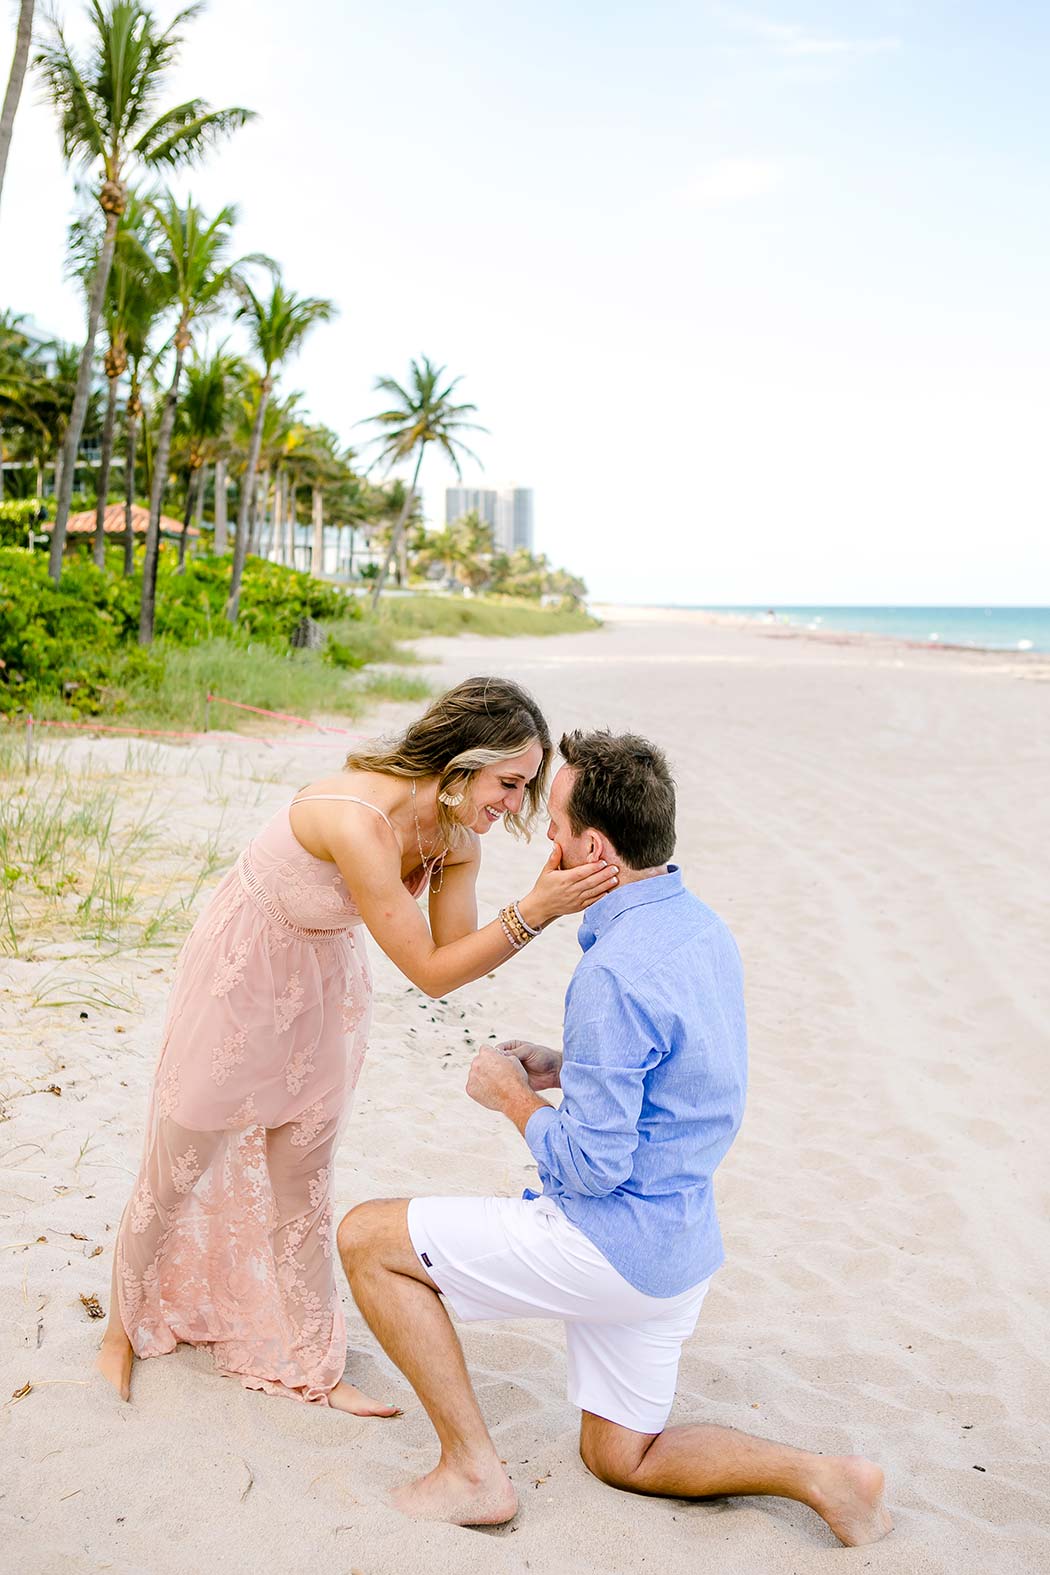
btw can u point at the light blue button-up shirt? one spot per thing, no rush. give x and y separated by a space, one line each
653 1083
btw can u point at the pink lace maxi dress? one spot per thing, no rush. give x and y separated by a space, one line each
227 1240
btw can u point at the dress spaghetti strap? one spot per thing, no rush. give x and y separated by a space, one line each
343 798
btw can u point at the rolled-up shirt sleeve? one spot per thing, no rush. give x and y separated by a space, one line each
587 1145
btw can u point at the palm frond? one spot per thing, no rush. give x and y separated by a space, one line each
189 140
83 137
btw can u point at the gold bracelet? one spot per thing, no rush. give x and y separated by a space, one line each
514 929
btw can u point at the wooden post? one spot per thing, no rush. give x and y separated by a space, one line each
29 742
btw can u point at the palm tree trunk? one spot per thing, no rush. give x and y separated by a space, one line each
289 519
221 544
129 483
194 488
198 517
80 398
279 543
103 472
240 550
317 549
147 610
260 533
399 530
23 38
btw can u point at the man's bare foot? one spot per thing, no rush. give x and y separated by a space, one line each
484 1498
848 1494
114 1360
346 1397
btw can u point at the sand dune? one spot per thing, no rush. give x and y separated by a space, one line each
870 820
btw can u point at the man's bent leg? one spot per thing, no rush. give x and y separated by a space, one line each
696 1461
401 1305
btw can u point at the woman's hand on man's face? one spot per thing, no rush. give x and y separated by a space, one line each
559 891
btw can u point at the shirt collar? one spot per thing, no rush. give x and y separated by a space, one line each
601 914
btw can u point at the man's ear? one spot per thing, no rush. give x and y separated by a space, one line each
594 845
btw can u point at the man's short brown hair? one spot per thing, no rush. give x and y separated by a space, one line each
624 789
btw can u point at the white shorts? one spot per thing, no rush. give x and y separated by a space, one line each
521 1258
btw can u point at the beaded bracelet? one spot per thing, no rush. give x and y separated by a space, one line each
515 928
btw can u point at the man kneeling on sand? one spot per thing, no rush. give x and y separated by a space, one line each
623 1241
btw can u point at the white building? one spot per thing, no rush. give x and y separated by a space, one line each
507 509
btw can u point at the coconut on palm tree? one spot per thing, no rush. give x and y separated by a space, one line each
421 414
23 39
277 325
108 102
192 262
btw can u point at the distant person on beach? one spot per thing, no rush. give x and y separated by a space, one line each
227 1239
623 1241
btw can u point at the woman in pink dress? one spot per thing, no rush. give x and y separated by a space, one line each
227 1239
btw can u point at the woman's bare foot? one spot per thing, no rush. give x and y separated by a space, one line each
114 1360
848 1494
484 1498
346 1397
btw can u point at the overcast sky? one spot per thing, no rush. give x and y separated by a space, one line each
754 298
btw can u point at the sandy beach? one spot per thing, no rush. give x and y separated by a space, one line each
870 819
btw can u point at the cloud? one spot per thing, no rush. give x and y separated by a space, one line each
731 180
796 42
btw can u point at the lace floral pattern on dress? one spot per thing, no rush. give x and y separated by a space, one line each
185 1171
143 1210
168 1091
231 969
324 900
245 1116
227 1056
288 1005
308 1126
299 1068
354 1008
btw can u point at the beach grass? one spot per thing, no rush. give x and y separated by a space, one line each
85 855
423 613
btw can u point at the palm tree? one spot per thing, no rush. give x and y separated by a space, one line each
23 388
203 414
107 102
23 39
191 258
144 306
421 414
132 264
277 327
463 549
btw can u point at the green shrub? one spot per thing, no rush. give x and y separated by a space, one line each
76 641
18 516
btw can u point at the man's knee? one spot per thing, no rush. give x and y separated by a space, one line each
360 1232
611 1453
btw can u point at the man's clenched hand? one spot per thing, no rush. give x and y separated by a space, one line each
542 1065
495 1079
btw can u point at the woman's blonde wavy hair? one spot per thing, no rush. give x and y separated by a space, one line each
478 723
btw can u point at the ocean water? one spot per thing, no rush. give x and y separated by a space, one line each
986 628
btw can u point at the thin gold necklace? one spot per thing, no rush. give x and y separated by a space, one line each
436 863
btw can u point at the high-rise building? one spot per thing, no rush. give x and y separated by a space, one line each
507 509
